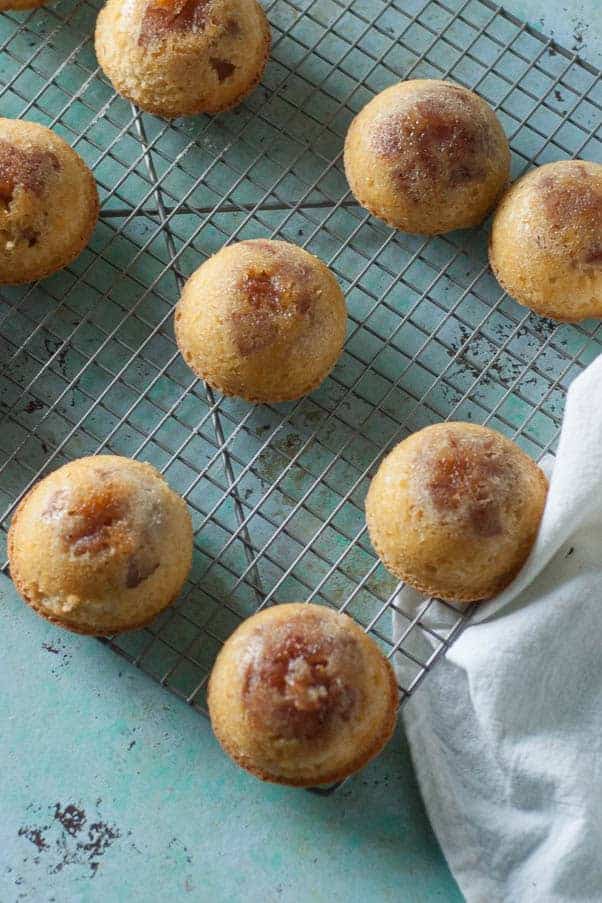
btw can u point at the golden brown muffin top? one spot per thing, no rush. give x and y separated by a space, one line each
545 246
427 156
264 320
300 695
48 201
454 510
100 545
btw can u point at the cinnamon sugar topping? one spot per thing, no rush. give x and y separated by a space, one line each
27 168
96 523
302 677
437 140
470 479
162 17
571 192
274 298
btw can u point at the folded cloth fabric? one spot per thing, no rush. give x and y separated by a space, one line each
506 733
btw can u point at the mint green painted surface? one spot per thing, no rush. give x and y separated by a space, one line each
113 790
576 24
175 820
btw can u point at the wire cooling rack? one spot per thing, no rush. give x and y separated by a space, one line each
89 361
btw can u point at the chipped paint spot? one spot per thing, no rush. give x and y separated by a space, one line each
71 818
35 836
69 836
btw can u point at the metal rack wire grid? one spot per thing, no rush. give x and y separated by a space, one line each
89 362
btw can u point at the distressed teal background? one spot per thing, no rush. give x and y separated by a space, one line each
111 789
178 821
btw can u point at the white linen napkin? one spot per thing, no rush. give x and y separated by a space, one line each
506 733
